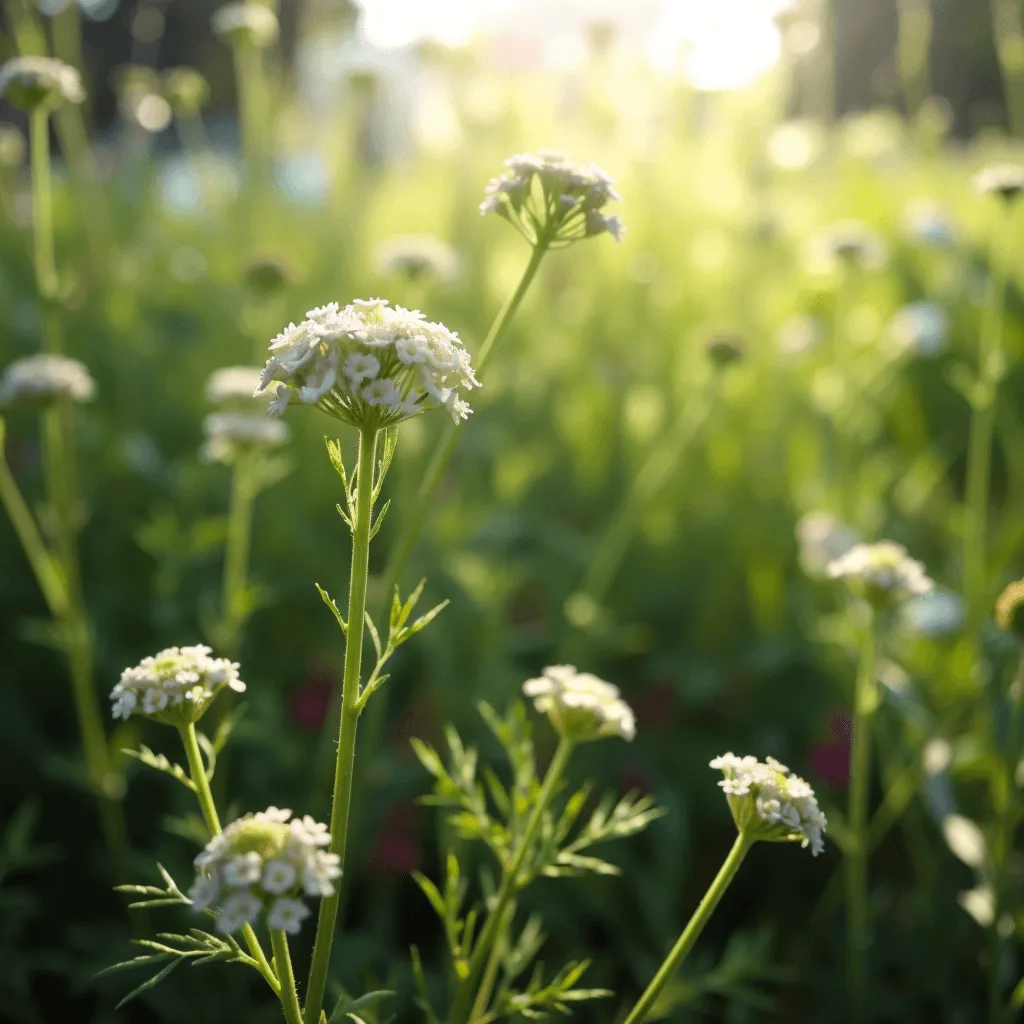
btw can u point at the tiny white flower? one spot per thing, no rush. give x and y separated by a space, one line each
154 700
287 915
279 403
359 366
381 392
278 876
45 377
204 892
244 870
238 909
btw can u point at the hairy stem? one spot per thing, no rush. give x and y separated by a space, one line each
283 963
345 763
498 919
201 782
691 933
865 701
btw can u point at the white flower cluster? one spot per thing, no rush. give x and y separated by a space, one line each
580 706
881 572
369 364
174 686
415 257
1004 180
45 377
29 82
552 200
231 434
265 863
246 24
768 802
233 385
847 244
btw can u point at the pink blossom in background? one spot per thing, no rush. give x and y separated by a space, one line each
308 705
654 706
830 757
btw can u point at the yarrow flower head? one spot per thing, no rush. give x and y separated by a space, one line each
1003 180
33 82
580 706
233 386
553 201
770 803
246 25
416 257
849 244
882 573
231 434
45 378
263 865
174 687
369 364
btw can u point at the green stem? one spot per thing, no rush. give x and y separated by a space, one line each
913 44
691 933
496 919
201 785
983 413
865 701
236 556
39 557
42 205
283 963
345 764
1006 817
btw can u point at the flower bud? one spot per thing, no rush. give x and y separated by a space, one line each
31 83
580 706
1010 610
175 686
261 866
769 803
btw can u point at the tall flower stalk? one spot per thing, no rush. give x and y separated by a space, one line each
1006 182
880 575
40 85
370 366
767 803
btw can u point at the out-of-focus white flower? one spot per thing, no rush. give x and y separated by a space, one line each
175 686
259 865
230 434
800 334
369 364
580 706
770 803
1003 180
920 327
415 257
980 903
938 613
233 385
186 90
882 572
552 200
246 25
965 839
822 538
928 222
44 378
795 145
849 243
31 82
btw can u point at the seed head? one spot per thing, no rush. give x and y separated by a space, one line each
264 865
369 364
580 706
769 803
